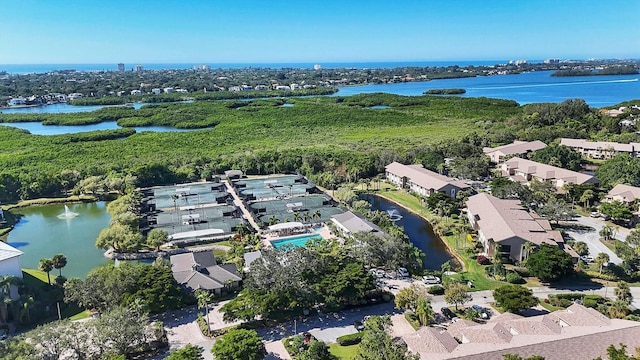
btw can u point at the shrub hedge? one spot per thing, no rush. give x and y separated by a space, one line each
350 339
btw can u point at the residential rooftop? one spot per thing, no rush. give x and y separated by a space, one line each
546 172
575 333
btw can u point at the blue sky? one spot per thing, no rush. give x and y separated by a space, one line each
223 31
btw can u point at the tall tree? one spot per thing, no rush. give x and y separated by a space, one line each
424 311
157 237
457 294
189 352
601 259
514 298
623 292
59 261
407 298
46 265
239 344
549 263
608 232
377 344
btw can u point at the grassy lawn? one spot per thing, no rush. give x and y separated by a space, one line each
46 201
35 278
343 352
609 244
549 307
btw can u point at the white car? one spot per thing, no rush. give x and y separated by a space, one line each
587 259
402 272
595 214
430 279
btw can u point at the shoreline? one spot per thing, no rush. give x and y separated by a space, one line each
451 251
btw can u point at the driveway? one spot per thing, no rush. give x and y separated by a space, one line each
592 237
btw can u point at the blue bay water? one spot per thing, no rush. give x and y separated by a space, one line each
526 88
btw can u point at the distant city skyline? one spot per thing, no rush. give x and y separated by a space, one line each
280 31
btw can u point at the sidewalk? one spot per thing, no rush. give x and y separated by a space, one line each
237 202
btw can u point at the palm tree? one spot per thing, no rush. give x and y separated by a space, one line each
608 232
587 196
601 259
424 311
5 294
204 298
273 220
59 261
46 265
623 293
296 216
618 309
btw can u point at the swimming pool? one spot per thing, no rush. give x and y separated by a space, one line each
295 240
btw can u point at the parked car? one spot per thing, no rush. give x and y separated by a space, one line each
358 325
447 313
431 280
403 272
484 314
587 259
379 274
595 214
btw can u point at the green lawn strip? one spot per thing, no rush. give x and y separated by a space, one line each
610 244
344 352
35 278
83 314
46 201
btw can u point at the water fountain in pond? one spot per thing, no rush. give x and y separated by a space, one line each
394 215
67 214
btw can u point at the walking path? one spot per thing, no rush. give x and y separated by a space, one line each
237 202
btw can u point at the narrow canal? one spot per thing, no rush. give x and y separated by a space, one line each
418 230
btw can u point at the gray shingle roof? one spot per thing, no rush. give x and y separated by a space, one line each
353 223
199 270
517 147
425 178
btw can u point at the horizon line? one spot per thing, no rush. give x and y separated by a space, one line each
315 62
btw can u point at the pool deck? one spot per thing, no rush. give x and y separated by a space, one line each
324 232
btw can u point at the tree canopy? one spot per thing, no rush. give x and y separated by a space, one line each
549 263
514 298
239 344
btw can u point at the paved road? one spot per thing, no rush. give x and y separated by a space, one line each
182 329
592 237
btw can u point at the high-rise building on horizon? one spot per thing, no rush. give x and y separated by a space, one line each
138 68
120 67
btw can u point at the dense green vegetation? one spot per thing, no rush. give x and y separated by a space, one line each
151 287
609 70
329 139
452 91
334 135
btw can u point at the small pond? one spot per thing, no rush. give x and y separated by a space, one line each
40 233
